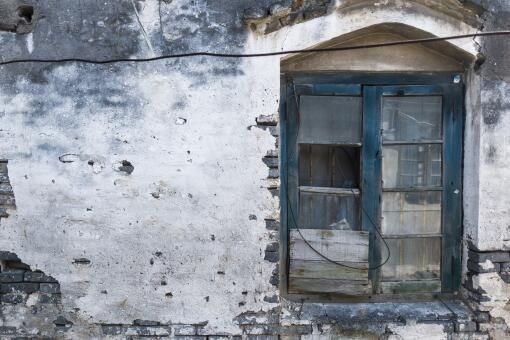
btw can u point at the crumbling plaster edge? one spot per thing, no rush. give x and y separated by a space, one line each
322 29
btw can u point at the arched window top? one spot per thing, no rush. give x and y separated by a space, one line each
425 57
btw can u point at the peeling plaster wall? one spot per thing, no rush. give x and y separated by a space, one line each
150 191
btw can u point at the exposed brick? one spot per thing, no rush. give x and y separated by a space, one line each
270 120
273 26
271 162
278 329
3 213
147 331
275 192
8 256
5 188
7 330
272 153
478 268
272 246
272 256
468 326
272 224
315 12
38 277
261 317
113 329
7 199
19 287
482 317
505 267
273 173
493 256
139 322
275 276
7 277
51 288
469 336
185 329
13 298
50 298
262 337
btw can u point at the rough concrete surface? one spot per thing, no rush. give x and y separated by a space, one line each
148 192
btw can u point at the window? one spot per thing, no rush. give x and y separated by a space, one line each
371 184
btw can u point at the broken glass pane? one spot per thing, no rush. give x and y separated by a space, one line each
412 118
329 166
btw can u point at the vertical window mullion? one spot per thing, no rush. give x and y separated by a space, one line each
371 176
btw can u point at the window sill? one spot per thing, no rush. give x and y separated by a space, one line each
442 311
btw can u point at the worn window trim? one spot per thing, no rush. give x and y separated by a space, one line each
372 90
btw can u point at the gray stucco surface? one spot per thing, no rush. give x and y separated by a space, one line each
148 192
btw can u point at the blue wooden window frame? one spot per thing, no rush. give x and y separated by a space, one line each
372 88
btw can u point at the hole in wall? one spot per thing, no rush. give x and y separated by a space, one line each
26 13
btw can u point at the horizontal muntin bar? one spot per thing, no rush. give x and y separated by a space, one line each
330 191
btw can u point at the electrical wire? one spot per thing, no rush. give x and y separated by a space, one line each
362 209
255 55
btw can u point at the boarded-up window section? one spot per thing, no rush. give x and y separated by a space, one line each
329 187
309 272
329 141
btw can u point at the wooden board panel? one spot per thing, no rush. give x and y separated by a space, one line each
298 285
338 245
328 270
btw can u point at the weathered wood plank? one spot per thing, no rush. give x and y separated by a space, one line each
331 191
338 245
298 285
328 270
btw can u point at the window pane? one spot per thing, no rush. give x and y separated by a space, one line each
411 213
412 118
329 166
329 120
412 259
411 165
328 211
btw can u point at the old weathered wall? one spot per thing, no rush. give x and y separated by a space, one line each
144 197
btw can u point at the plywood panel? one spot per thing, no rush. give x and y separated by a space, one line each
311 273
350 288
338 245
328 270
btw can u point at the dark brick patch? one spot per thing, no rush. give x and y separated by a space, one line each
19 287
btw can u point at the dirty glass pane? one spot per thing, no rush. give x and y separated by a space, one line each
329 166
411 213
412 259
328 211
411 165
329 120
412 118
